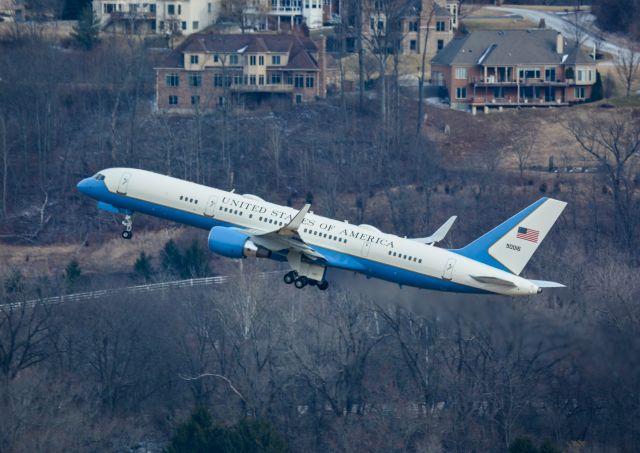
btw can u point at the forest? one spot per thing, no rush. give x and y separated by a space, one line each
255 365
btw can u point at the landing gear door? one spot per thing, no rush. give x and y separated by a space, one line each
124 183
447 273
210 210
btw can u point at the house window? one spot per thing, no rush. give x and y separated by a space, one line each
171 10
461 73
195 100
440 44
275 59
194 59
179 9
209 7
217 80
184 25
216 58
161 25
233 59
532 73
413 25
550 74
173 100
579 92
413 45
261 79
252 80
252 60
195 24
289 79
195 80
261 60
310 81
276 78
298 99
461 93
173 80
580 77
440 25
299 81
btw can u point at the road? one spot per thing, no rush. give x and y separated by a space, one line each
559 22
132 290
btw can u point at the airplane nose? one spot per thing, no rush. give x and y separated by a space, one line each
83 186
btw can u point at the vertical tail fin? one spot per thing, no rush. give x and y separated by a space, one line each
510 245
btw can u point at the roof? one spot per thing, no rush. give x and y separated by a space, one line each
299 48
510 47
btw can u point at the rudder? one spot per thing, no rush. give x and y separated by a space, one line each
510 245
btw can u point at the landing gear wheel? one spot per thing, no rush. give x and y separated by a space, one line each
323 285
289 277
127 234
301 282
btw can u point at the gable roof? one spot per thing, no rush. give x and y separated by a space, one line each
299 48
509 47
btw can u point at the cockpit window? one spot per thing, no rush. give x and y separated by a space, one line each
99 176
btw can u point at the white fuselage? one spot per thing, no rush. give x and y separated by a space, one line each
386 256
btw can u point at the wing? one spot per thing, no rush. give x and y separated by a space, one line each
285 238
439 234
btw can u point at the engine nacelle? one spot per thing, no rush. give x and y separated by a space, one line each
234 244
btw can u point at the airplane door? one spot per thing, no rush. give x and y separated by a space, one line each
211 206
447 274
365 249
124 183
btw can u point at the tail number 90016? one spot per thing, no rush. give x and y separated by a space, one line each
513 247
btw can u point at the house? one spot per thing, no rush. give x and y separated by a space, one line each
160 16
210 70
437 18
11 10
287 14
514 68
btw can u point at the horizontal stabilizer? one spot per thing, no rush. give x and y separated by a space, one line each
545 284
439 234
493 280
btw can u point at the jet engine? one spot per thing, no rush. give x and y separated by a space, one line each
234 244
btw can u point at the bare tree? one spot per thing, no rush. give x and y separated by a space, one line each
523 146
628 66
613 140
423 64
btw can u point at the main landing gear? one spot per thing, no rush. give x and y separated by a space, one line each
300 281
128 226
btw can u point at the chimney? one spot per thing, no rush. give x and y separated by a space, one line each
559 43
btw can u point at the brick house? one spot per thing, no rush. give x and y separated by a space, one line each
514 68
438 17
159 16
209 70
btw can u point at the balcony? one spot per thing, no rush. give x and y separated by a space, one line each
278 88
492 82
512 101
133 15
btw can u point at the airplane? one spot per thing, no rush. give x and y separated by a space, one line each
242 226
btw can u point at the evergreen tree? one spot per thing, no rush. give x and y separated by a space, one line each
142 267
196 262
72 273
85 32
171 259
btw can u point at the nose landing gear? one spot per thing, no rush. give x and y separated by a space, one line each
128 226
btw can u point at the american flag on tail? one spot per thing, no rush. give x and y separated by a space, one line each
528 234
